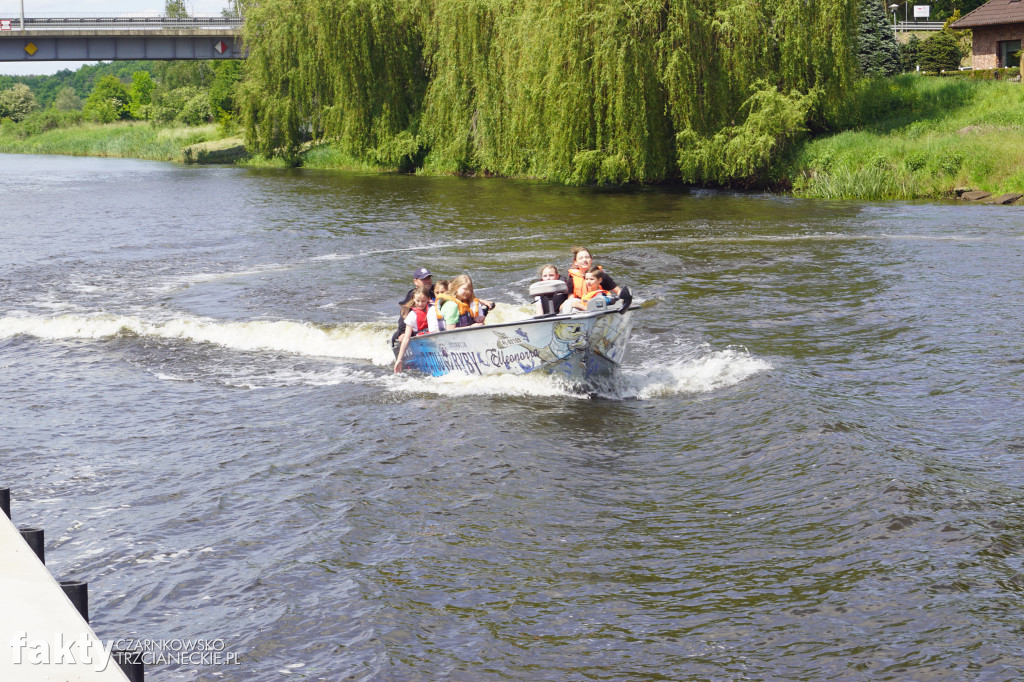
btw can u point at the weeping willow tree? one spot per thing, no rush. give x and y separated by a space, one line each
558 89
346 70
576 91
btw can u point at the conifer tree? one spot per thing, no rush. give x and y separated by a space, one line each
942 51
877 50
910 53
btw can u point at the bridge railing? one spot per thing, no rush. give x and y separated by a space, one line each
120 20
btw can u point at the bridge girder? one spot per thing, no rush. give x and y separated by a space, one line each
112 48
134 40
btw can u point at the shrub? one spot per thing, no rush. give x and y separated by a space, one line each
141 94
195 111
49 119
941 52
915 161
67 100
995 74
108 101
950 163
17 102
168 105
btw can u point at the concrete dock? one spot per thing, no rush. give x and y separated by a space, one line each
42 635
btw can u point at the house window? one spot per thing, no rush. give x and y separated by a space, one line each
1007 51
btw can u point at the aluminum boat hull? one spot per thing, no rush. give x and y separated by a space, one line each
582 347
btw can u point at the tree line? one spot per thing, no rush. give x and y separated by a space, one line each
713 92
575 91
185 92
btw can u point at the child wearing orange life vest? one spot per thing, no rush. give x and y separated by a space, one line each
592 287
420 318
582 260
461 308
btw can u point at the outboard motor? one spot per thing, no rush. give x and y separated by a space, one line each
546 291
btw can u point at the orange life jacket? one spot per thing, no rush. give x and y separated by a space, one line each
467 311
591 294
579 285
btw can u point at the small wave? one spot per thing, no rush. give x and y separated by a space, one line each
404 249
707 370
510 312
163 376
261 378
355 341
186 281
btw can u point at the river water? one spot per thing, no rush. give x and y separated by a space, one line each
810 467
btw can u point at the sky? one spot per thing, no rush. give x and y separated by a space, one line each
84 8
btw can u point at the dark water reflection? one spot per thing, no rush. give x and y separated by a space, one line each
810 468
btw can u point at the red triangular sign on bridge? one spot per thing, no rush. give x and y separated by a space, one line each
220 47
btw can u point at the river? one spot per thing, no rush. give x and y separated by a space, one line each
809 468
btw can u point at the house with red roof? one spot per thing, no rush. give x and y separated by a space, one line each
998 29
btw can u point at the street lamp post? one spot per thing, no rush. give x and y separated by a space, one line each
894 7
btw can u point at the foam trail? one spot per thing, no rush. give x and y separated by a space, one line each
260 377
704 372
357 341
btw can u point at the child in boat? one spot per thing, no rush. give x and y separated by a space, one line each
592 284
548 273
582 260
420 318
460 307
440 287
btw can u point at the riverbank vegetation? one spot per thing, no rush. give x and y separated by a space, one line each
783 94
126 139
918 137
147 110
570 91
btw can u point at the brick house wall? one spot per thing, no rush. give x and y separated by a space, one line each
985 42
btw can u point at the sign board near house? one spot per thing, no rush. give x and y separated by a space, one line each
922 11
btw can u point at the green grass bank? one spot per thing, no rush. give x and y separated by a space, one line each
130 139
918 137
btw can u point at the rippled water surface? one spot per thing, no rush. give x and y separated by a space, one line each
810 467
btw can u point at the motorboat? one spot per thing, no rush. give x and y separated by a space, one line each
582 345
